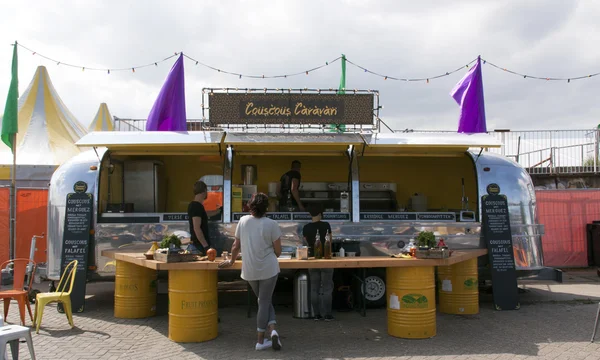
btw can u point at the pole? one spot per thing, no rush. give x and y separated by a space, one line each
13 200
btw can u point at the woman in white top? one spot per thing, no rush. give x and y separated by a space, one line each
258 238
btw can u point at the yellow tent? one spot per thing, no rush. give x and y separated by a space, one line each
103 121
47 132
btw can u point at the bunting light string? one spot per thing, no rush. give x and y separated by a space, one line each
427 79
108 70
546 78
240 75
307 72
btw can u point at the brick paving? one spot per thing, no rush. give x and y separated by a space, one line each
539 330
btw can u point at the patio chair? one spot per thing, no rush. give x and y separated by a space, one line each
61 295
20 291
11 334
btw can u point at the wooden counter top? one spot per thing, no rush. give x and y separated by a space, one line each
139 259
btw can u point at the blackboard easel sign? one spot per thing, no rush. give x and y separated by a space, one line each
498 237
76 237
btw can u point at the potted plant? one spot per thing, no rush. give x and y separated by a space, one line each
170 241
426 240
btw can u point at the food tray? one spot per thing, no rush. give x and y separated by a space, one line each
433 254
175 257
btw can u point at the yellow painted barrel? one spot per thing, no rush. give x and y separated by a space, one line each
458 288
193 305
411 302
135 291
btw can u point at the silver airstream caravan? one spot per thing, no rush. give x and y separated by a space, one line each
379 190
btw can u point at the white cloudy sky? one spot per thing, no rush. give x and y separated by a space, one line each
397 38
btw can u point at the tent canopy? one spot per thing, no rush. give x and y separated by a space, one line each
103 121
47 129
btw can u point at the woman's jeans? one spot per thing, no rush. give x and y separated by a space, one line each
263 289
321 290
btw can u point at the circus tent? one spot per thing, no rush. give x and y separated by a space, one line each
103 121
47 132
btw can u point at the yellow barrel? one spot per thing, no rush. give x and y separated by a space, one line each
193 305
135 291
411 302
458 288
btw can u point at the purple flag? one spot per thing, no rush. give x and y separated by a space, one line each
468 93
168 112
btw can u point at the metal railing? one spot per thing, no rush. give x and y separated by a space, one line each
548 151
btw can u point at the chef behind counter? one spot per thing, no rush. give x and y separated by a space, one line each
288 189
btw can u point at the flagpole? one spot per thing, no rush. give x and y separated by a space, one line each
13 199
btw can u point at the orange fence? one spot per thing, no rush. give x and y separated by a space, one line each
565 214
32 219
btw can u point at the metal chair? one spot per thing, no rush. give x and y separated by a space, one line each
20 290
596 323
11 334
61 295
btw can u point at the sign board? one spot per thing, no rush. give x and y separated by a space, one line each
400 216
175 217
327 216
76 238
498 237
290 108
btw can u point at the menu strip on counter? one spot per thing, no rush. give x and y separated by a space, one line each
175 217
498 237
76 237
287 216
408 216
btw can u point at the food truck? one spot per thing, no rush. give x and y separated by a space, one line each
379 190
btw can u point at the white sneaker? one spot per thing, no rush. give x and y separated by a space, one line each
265 345
275 340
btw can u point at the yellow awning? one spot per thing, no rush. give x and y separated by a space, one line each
291 144
156 142
424 144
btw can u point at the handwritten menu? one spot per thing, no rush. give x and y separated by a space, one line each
498 237
76 237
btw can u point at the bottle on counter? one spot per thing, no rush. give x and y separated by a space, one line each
328 245
412 248
318 246
342 251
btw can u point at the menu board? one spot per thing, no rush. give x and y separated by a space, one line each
408 216
287 216
76 237
498 237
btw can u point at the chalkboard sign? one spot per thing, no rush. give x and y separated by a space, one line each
76 237
496 231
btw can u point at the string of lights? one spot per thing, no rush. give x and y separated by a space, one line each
313 69
108 70
305 72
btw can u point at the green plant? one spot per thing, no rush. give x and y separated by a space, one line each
170 239
426 239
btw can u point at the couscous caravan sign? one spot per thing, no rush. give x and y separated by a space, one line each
290 108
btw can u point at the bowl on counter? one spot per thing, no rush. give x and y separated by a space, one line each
351 254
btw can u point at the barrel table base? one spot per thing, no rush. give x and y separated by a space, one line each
135 291
410 295
458 288
193 305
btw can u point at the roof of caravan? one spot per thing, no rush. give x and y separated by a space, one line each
103 120
47 129
256 143
431 139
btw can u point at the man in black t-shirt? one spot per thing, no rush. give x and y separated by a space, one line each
198 218
321 280
289 185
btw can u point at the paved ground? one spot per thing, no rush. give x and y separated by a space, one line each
554 322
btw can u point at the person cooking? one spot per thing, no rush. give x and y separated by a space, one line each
289 186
